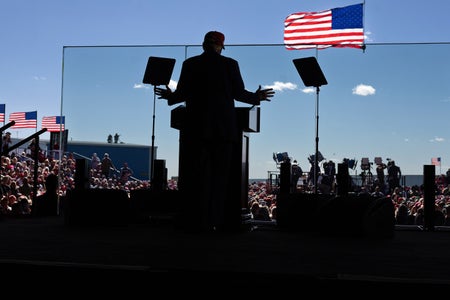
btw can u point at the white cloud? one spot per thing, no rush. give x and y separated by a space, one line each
281 86
140 86
308 90
172 85
39 78
437 139
363 90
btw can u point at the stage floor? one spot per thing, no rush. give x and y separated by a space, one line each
264 253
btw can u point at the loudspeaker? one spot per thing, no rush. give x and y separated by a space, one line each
147 205
159 182
285 178
429 196
81 173
299 211
96 207
348 215
357 215
343 180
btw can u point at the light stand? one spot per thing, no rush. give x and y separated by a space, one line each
311 74
158 72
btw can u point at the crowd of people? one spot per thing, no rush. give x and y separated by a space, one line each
20 186
55 177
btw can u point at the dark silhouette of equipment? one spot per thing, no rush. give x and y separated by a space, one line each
6 126
158 72
159 182
429 186
309 70
81 174
25 140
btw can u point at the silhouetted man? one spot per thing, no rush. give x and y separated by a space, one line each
209 83
394 175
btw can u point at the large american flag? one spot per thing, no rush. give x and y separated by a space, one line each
2 112
24 119
337 27
53 124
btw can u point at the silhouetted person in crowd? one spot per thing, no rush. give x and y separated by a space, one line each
33 146
46 204
6 142
296 173
125 173
107 165
380 176
329 175
95 161
209 84
394 175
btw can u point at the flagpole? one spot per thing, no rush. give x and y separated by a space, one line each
316 143
364 25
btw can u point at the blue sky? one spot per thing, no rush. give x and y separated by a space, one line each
390 101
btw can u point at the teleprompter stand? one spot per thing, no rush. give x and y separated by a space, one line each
311 74
158 72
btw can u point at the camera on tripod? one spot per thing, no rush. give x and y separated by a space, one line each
365 164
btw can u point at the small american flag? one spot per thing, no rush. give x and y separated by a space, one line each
24 119
2 112
337 27
436 161
53 124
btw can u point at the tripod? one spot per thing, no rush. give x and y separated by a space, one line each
367 176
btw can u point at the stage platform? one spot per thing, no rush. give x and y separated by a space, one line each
159 253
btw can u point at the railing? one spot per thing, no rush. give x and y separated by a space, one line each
115 170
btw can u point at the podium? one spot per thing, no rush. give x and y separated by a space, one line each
248 122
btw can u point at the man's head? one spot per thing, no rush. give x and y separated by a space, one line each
214 39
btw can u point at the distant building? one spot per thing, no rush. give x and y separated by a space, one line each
138 157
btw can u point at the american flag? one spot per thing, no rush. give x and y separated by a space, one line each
24 119
2 112
337 27
436 161
53 124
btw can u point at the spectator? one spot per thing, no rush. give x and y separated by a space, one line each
394 175
107 165
6 142
95 161
297 172
125 173
25 188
